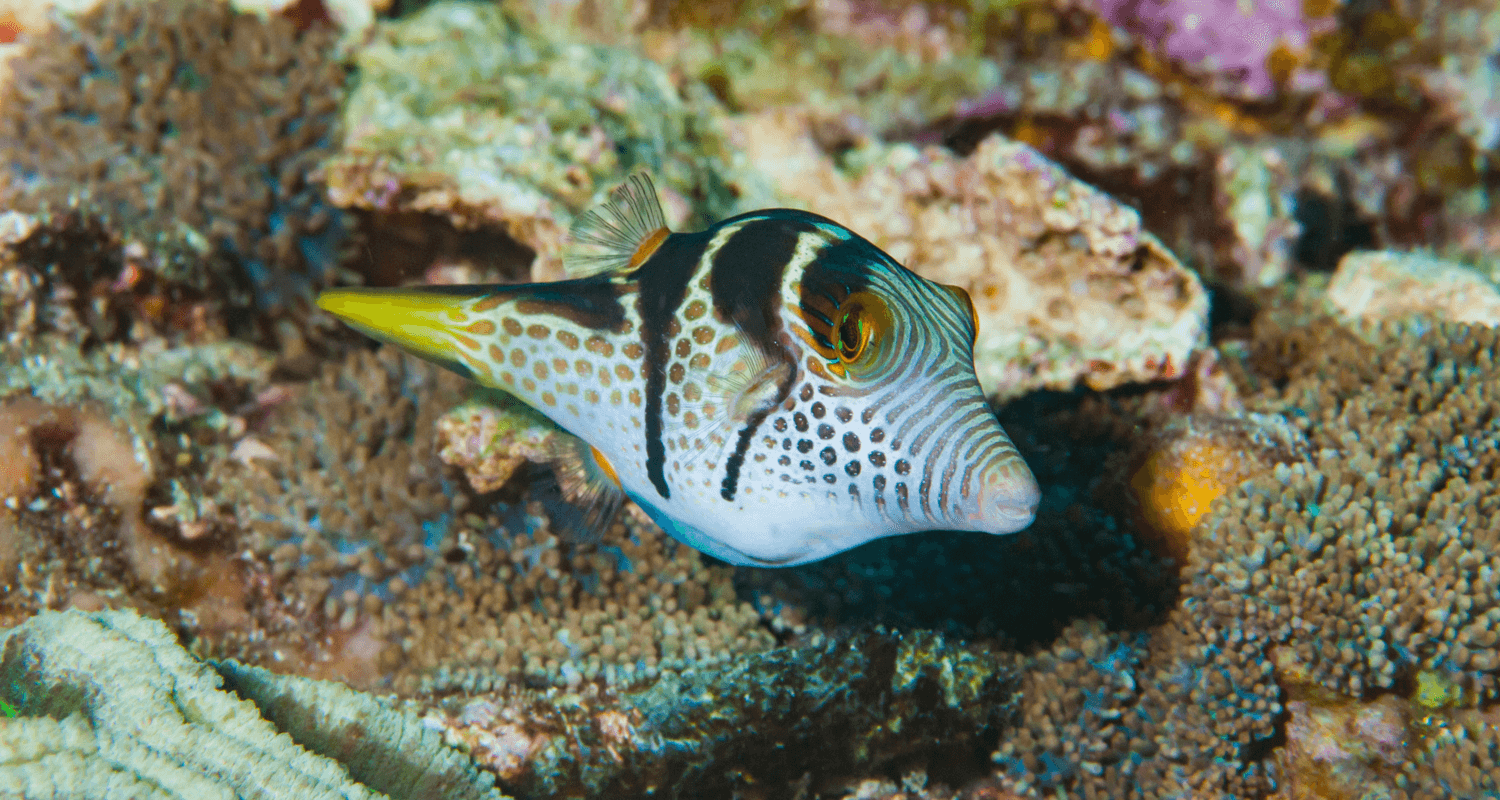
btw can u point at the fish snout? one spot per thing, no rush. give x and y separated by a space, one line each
1008 496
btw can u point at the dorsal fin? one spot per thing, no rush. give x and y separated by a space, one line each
619 233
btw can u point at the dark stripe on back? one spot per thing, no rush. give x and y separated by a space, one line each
746 277
842 268
663 281
592 303
745 280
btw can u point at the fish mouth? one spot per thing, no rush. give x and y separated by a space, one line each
1008 499
1014 519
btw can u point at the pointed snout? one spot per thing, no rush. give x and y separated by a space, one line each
1008 496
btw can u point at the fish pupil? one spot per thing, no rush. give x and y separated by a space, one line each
851 337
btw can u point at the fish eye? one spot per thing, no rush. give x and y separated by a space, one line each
852 336
846 333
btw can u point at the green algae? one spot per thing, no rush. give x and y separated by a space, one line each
1436 690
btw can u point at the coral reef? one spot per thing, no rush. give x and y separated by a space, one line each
878 64
1256 195
491 440
387 750
1457 40
1068 287
432 588
1393 496
1264 563
1339 747
464 112
1193 461
182 136
1386 286
1246 49
768 714
521 605
1294 574
344 490
101 496
111 705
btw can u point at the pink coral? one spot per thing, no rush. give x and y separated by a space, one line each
1231 38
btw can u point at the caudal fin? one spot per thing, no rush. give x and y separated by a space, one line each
437 323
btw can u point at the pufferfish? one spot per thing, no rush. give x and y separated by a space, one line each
771 391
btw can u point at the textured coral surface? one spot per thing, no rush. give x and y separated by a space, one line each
1235 274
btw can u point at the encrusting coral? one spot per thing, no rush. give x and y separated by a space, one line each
189 132
466 113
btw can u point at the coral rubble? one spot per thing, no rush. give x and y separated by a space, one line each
464 112
188 133
1382 286
1068 286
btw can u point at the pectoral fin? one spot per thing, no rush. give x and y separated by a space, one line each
588 482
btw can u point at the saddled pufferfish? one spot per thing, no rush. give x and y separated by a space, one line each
772 390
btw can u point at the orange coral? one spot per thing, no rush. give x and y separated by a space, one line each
1194 462
1176 485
